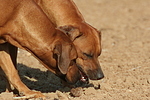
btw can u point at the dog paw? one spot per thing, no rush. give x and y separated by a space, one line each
31 94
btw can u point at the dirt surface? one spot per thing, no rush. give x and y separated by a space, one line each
125 59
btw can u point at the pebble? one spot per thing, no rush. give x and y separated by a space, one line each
76 92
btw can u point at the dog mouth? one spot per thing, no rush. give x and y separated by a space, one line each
84 78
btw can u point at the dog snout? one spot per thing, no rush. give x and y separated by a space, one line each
95 74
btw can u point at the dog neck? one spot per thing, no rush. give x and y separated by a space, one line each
60 14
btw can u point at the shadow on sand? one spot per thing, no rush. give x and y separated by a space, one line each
38 80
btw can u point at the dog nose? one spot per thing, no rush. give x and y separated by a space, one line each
95 74
100 76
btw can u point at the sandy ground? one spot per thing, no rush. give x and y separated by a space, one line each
125 59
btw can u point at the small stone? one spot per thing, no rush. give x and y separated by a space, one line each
76 92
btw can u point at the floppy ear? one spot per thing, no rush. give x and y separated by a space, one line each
71 31
63 58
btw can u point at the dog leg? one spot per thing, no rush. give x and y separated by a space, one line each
11 73
13 54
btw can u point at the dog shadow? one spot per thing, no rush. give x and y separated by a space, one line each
35 79
44 81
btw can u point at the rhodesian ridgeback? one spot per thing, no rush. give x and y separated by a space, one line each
24 25
87 40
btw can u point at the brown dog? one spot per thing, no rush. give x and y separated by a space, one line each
23 24
65 15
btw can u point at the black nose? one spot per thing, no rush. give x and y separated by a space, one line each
95 74
100 76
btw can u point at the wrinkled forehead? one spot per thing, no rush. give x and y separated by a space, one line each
91 42
94 42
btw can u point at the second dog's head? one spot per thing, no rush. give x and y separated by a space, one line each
87 41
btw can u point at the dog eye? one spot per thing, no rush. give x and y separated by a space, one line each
88 55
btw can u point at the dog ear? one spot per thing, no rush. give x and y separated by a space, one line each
63 58
71 31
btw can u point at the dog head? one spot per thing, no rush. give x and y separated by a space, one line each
64 54
87 41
